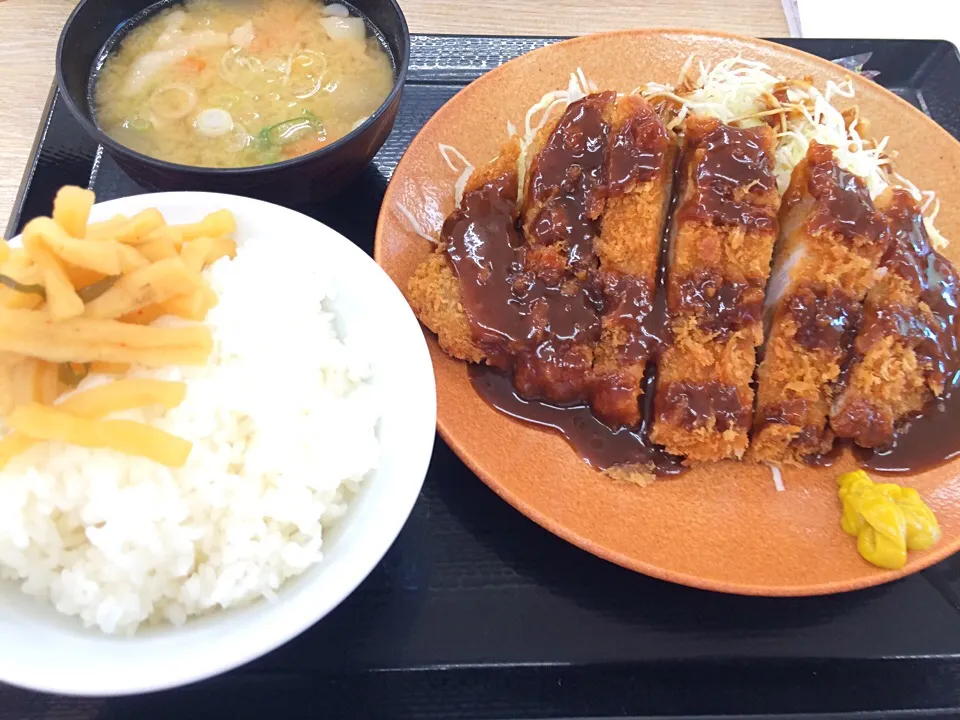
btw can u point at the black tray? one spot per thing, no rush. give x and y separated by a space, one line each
476 612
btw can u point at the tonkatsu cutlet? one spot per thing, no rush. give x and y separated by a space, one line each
563 201
560 304
832 240
435 292
639 174
906 347
489 214
594 210
722 239
565 191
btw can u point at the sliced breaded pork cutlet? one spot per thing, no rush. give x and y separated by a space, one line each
594 210
563 200
561 304
722 238
639 174
832 240
906 347
435 292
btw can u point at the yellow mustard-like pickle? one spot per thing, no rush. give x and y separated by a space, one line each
886 519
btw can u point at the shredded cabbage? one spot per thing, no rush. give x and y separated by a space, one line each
777 477
415 224
745 93
465 172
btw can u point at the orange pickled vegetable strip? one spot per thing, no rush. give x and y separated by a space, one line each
215 224
107 368
144 222
206 250
71 209
25 381
131 438
145 315
101 256
33 333
101 401
62 299
106 229
159 249
121 395
169 233
131 259
46 382
21 268
82 277
149 285
194 306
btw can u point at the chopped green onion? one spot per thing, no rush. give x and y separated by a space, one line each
286 131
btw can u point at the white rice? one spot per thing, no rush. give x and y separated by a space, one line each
284 430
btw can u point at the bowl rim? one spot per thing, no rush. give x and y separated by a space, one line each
284 619
94 130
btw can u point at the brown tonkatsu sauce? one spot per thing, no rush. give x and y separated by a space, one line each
567 177
826 319
722 306
597 444
563 220
826 459
636 153
923 442
638 310
731 166
727 190
575 156
794 411
516 316
691 405
536 309
485 249
932 437
933 278
537 300
844 205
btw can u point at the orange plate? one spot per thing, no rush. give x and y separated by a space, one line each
721 526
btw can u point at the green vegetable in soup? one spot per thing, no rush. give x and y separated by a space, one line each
139 124
288 131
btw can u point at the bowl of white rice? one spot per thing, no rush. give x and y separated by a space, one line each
312 426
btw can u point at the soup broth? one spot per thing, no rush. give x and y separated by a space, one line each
236 83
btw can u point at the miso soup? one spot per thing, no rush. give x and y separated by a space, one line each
236 83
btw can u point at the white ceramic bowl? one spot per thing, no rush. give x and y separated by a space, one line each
43 650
